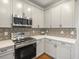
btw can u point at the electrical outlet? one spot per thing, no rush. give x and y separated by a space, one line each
5 33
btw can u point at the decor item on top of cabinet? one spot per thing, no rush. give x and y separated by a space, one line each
22 22
42 33
61 31
72 33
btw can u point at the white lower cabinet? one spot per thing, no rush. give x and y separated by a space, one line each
58 50
40 47
63 51
50 47
7 56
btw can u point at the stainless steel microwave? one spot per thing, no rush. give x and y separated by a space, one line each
22 22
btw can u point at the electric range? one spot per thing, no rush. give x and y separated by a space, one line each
25 46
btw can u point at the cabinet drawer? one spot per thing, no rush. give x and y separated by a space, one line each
51 41
7 49
64 44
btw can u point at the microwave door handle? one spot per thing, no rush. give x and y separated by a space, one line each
28 22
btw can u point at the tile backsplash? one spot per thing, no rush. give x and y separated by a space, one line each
62 32
5 33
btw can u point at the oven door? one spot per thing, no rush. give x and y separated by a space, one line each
27 52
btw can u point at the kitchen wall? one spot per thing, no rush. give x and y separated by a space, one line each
5 33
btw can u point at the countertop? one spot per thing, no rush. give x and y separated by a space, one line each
6 43
62 39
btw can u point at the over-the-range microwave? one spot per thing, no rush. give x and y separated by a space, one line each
22 22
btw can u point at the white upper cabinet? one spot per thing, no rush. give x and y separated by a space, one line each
5 13
48 18
61 15
27 10
35 18
41 19
67 13
17 8
56 16
38 17
52 17
21 8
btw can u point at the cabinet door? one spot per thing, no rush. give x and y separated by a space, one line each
38 17
77 13
56 16
40 47
48 18
67 14
41 19
5 13
63 51
28 10
34 17
50 47
17 8
7 56
53 17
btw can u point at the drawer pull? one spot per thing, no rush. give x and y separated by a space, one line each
3 50
55 46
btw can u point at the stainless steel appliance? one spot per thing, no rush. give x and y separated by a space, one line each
22 22
25 47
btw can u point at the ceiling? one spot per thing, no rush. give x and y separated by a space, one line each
44 3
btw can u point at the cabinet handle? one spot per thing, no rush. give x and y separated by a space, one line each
14 54
50 26
49 40
55 46
4 50
38 26
60 25
63 43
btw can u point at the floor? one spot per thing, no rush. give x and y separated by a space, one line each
44 56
